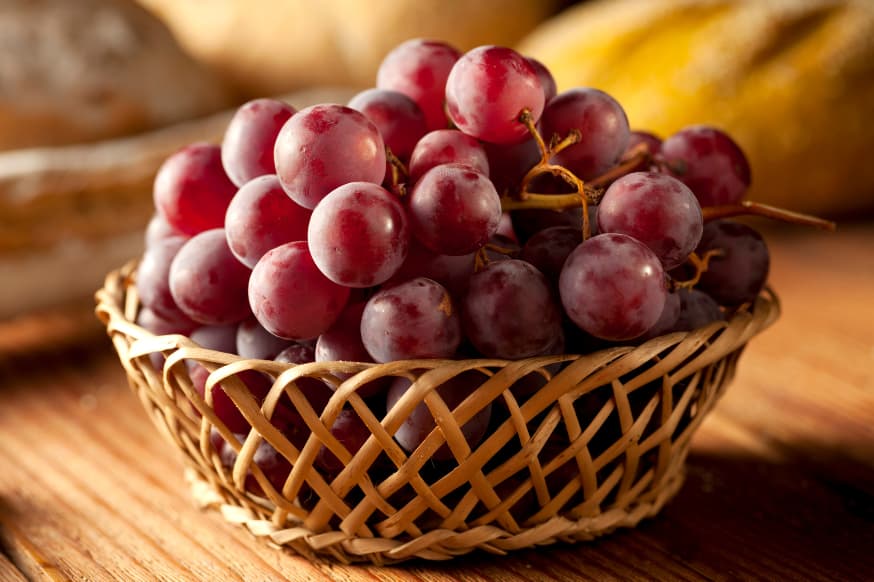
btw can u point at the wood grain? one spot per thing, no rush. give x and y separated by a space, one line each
780 485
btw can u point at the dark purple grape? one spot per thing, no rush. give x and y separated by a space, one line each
667 321
653 146
414 319
547 81
192 191
274 466
222 338
548 249
247 148
316 391
454 210
253 342
697 309
397 117
487 90
508 164
261 217
602 123
291 298
359 235
419 424
740 273
530 221
710 163
207 282
159 325
509 311
656 209
419 68
613 287
447 146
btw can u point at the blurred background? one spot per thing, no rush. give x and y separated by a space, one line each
94 94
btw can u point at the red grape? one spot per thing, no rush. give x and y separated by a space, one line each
247 148
453 272
446 146
261 217
508 164
160 325
509 311
697 309
738 275
153 277
224 407
274 466
487 90
656 209
418 68
547 81
192 191
159 229
254 342
222 338
710 163
454 210
601 121
316 391
548 249
359 235
207 282
419 424
667 321
351 432
414 319
291 298
399 120
613 287
325 146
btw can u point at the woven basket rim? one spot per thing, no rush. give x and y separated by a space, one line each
117 305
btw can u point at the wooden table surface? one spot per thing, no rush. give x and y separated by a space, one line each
780 480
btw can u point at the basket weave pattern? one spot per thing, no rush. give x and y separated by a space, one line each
600 446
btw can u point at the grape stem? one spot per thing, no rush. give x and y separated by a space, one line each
399 173
637 156
748 207
701 265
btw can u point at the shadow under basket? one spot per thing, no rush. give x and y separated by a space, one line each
576 446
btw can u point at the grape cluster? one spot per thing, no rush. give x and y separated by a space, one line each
462 208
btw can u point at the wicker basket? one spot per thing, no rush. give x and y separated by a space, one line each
600 446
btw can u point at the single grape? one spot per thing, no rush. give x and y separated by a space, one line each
153 277
419 424
739 274
291 298
261 217
207 282
547 81
653 145
419 68
325 146
509 311
508 164
160 325
274 466
530 221
192 191
247 148
613 287
222 338
601 121
548 249
359 235
159 229
453 272
656 209
224 407
253 342
316 392
414 319
487 90
399 120
710 163
454 209
447 146
697 309
351 432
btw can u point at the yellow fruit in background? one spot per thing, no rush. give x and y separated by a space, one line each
272 46
791 81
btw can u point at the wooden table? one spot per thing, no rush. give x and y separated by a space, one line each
780 483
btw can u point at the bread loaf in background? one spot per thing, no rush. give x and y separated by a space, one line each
791 80
73 72
266 47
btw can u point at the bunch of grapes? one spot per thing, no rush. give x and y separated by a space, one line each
462 208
